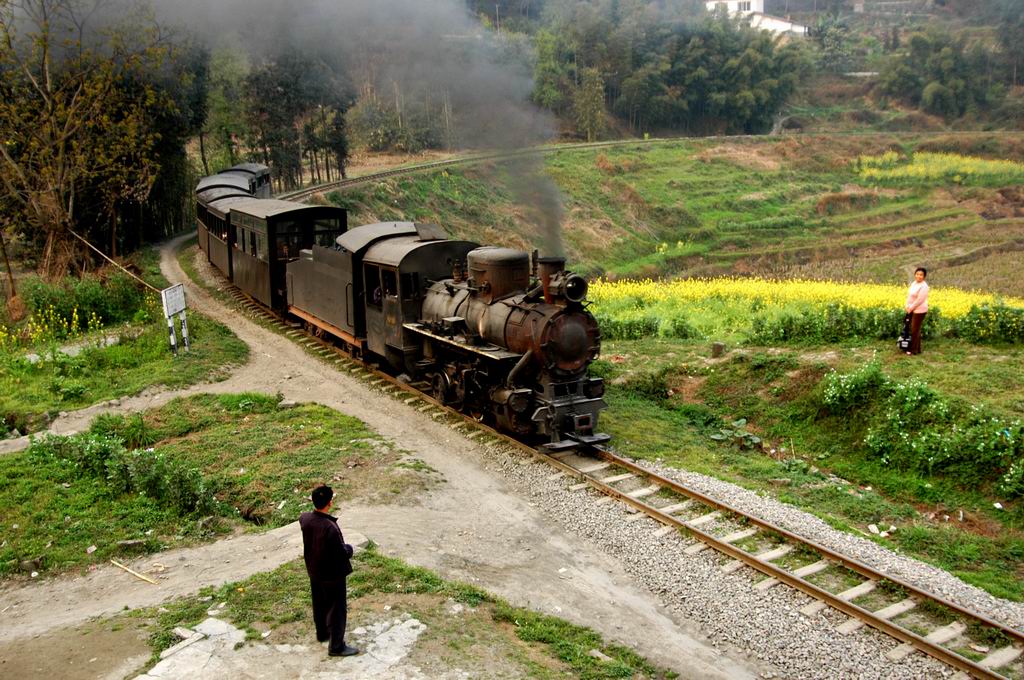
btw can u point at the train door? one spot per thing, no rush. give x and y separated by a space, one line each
373 291
392 308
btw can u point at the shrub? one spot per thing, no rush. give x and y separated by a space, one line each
917 429
990 323
117 300
89 452
831 204
843 391
679 327
66 389
139 471
170 483
125 298
835 323
628 327
131 430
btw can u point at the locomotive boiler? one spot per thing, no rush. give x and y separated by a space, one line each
516 343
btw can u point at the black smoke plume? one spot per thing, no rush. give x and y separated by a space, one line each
429 48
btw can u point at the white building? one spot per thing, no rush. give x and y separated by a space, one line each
754 10
736 6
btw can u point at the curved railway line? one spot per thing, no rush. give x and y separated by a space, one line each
312 190
746 539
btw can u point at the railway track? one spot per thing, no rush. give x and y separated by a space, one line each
865 594
306 192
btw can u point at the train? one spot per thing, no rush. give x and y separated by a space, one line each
500 334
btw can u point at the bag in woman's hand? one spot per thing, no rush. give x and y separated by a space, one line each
903 344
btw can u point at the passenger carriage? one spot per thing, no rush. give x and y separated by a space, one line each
267 234
205 222
260 178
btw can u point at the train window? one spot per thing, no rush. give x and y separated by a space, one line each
240 238
261 245
325 239
325 231
288 227
252 243
371 277
288 246
389 279
410 287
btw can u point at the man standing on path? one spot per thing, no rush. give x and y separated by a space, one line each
328 563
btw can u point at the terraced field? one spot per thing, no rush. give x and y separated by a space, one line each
792 206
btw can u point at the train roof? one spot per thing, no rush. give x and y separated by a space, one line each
236 180
256 169
360 238
265 208
392 252
217 193
222 206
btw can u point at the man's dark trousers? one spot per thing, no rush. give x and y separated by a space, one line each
330 613
328 564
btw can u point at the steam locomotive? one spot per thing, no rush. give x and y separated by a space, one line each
491 331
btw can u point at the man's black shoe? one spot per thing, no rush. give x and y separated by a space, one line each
346 651
322 639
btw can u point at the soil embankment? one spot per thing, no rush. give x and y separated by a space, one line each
504 545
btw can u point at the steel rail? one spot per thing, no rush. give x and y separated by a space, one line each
582 146
920 643
932 649
848 562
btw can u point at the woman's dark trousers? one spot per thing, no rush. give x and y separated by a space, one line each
915 332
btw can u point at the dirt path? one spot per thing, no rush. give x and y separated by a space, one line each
504 545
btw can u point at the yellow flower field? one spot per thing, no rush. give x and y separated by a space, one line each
953 302
935 166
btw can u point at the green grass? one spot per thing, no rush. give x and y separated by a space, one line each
32 393
825 468
699 207
252 454
269 600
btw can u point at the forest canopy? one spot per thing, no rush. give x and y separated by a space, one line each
111 109
94 115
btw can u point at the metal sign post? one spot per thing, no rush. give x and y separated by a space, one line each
173 299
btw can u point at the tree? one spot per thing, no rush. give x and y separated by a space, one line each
550 73
1011 37
939 74
833 38
660 67
226 124
588 104
74 118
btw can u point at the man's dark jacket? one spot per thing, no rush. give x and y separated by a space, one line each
324 549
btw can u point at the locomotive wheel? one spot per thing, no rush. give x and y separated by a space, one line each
441 386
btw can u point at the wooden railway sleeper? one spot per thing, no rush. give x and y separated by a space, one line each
930 644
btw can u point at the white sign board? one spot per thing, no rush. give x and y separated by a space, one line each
173 299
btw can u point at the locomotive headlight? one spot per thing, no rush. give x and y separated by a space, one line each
594 388
575 288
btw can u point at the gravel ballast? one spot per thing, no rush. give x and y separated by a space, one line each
765 624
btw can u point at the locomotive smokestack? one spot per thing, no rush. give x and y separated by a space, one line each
548 267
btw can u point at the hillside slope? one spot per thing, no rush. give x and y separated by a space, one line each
777 206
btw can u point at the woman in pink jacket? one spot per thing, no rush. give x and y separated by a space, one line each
917 307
